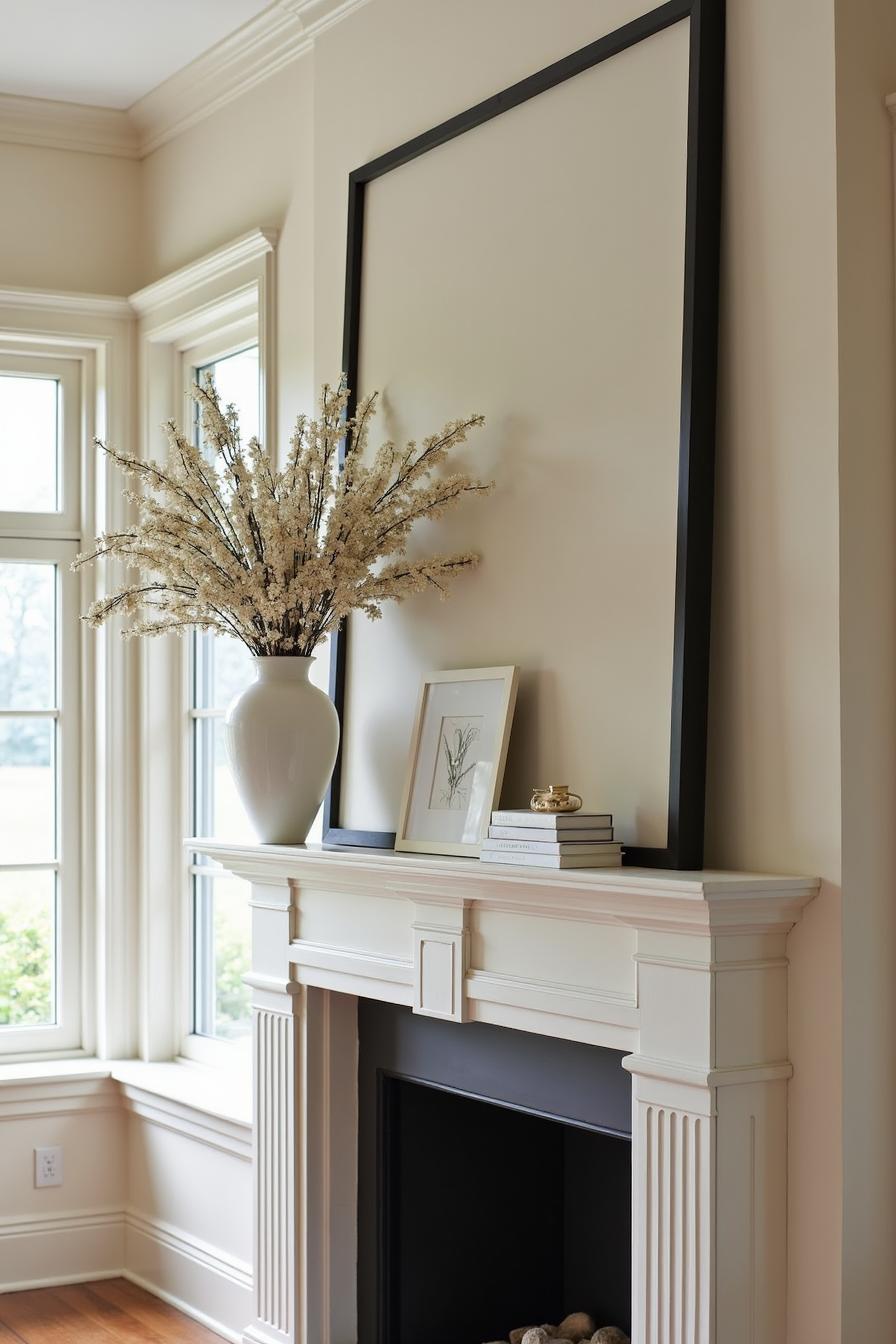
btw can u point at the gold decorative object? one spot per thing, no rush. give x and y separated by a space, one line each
555 798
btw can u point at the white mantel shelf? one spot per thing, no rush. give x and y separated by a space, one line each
708 898
686 972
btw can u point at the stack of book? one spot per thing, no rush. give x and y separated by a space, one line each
552 839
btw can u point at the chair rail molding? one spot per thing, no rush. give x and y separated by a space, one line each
687 972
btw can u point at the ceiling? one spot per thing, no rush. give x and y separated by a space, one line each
108 53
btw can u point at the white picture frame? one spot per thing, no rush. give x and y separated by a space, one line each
456 760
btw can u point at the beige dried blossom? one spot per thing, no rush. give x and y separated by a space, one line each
224 542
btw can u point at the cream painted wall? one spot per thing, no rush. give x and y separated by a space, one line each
44 1230
250 164
148 1198
774 767
203 1195
69 221
866 72
395 68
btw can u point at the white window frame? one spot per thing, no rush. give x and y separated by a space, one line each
53 536
200 1048
97 333
215 306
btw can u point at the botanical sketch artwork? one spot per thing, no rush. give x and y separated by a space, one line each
455 762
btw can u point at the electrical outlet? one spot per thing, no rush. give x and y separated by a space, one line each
47 1166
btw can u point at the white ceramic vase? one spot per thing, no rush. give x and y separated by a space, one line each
282 734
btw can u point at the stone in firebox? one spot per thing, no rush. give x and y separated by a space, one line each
610 1334
537 1335
577 1326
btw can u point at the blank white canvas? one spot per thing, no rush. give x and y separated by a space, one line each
532 269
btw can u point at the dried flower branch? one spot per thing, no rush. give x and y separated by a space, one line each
224 542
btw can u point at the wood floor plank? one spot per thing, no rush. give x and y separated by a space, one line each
167 1321
109 1311
40 1318
127 1329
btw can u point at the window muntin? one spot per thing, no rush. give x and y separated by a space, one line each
29 792
221 667
39 796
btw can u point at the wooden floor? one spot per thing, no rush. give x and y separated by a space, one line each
111 1311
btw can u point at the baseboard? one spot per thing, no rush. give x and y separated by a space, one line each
235 1336
204 1282
49 1249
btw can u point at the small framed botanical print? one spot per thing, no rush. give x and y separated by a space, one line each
457 756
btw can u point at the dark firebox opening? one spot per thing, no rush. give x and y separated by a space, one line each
494 1181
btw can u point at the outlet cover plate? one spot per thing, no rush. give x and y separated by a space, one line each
47 1167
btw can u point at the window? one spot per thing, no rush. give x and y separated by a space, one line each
215 313
220 668
40 992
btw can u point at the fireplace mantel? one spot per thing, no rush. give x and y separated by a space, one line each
686 972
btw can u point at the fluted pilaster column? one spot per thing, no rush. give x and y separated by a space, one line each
709 1139
276 1062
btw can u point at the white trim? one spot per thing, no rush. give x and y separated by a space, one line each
283 32
66 1248
39 1223
84 305
98 331
708 1056
230 1136
201 1103
225 296
202 1253
273 39
108 1235
215 266
53 124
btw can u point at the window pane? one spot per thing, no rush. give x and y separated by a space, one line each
27 791
223 668
219 811
222 942
27 636
29 444
236 378
27 949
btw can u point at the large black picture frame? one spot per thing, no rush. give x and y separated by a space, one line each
690 662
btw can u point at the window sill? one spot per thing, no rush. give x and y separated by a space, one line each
203 1103
224 1094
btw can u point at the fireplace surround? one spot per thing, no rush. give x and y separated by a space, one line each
494 1179
684 972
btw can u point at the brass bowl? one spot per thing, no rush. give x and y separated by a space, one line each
555 798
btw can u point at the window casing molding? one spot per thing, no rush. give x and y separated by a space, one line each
89 342
216 306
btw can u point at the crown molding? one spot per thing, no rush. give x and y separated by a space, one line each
273 39
81 305
248 247
263 46
56 125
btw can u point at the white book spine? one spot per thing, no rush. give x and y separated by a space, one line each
574 847
552 860
543 837
552 821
